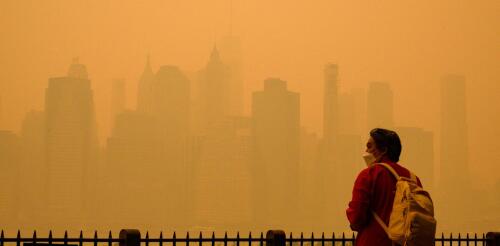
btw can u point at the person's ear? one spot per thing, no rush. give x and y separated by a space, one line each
383 152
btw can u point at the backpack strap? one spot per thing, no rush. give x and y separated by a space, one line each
394 173
413 177
380 222
383 225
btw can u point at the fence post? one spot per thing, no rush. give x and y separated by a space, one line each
130 237
493 238
275 238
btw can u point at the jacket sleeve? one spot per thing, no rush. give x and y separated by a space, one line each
358 211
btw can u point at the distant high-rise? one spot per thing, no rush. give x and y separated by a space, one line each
33 167
276 153
135 165
418 153
223 202
145 89
454 143
231 54
330 103
171 107
117 98
71 145
9 178
380 106
352 112
326 171
215 91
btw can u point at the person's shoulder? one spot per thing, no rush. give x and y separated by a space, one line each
372 170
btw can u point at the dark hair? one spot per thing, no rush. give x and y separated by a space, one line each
387 140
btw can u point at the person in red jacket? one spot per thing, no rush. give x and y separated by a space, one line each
375 187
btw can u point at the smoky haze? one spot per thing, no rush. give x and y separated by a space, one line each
241 115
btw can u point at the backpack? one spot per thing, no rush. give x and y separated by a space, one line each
412 220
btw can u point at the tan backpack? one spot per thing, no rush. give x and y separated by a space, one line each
412 220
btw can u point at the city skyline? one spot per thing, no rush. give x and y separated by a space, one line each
143 141
229 115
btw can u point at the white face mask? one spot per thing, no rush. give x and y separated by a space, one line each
369 159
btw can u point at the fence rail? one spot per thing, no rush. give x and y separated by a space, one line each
132 237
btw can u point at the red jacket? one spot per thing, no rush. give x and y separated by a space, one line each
374 190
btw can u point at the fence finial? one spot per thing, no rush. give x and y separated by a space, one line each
130 237
275 238
493 238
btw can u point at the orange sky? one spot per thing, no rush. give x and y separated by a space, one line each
409 44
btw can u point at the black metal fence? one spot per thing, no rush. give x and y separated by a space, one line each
132 237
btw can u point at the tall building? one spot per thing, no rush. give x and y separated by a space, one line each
171 108
32 166
330 103
231 54
145 89
380 106
215 91
276 154
330 169
308 214
418 153
223 198
136 165
71 146
352 112
9 178
454 141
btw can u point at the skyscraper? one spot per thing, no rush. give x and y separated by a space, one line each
145 89
170 106
330 103
327 169
34 199
9 177
380 106
71 145
215 91
454 144
136 165
418 153
276 153
231 54
222 187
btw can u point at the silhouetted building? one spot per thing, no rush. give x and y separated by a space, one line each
137 173
71 146
215 91
222 186
276 153
308 213
454 142
33 167
418 153
145 89
9 178
352 113
328 169
171 108
231 54
380 106
330 104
